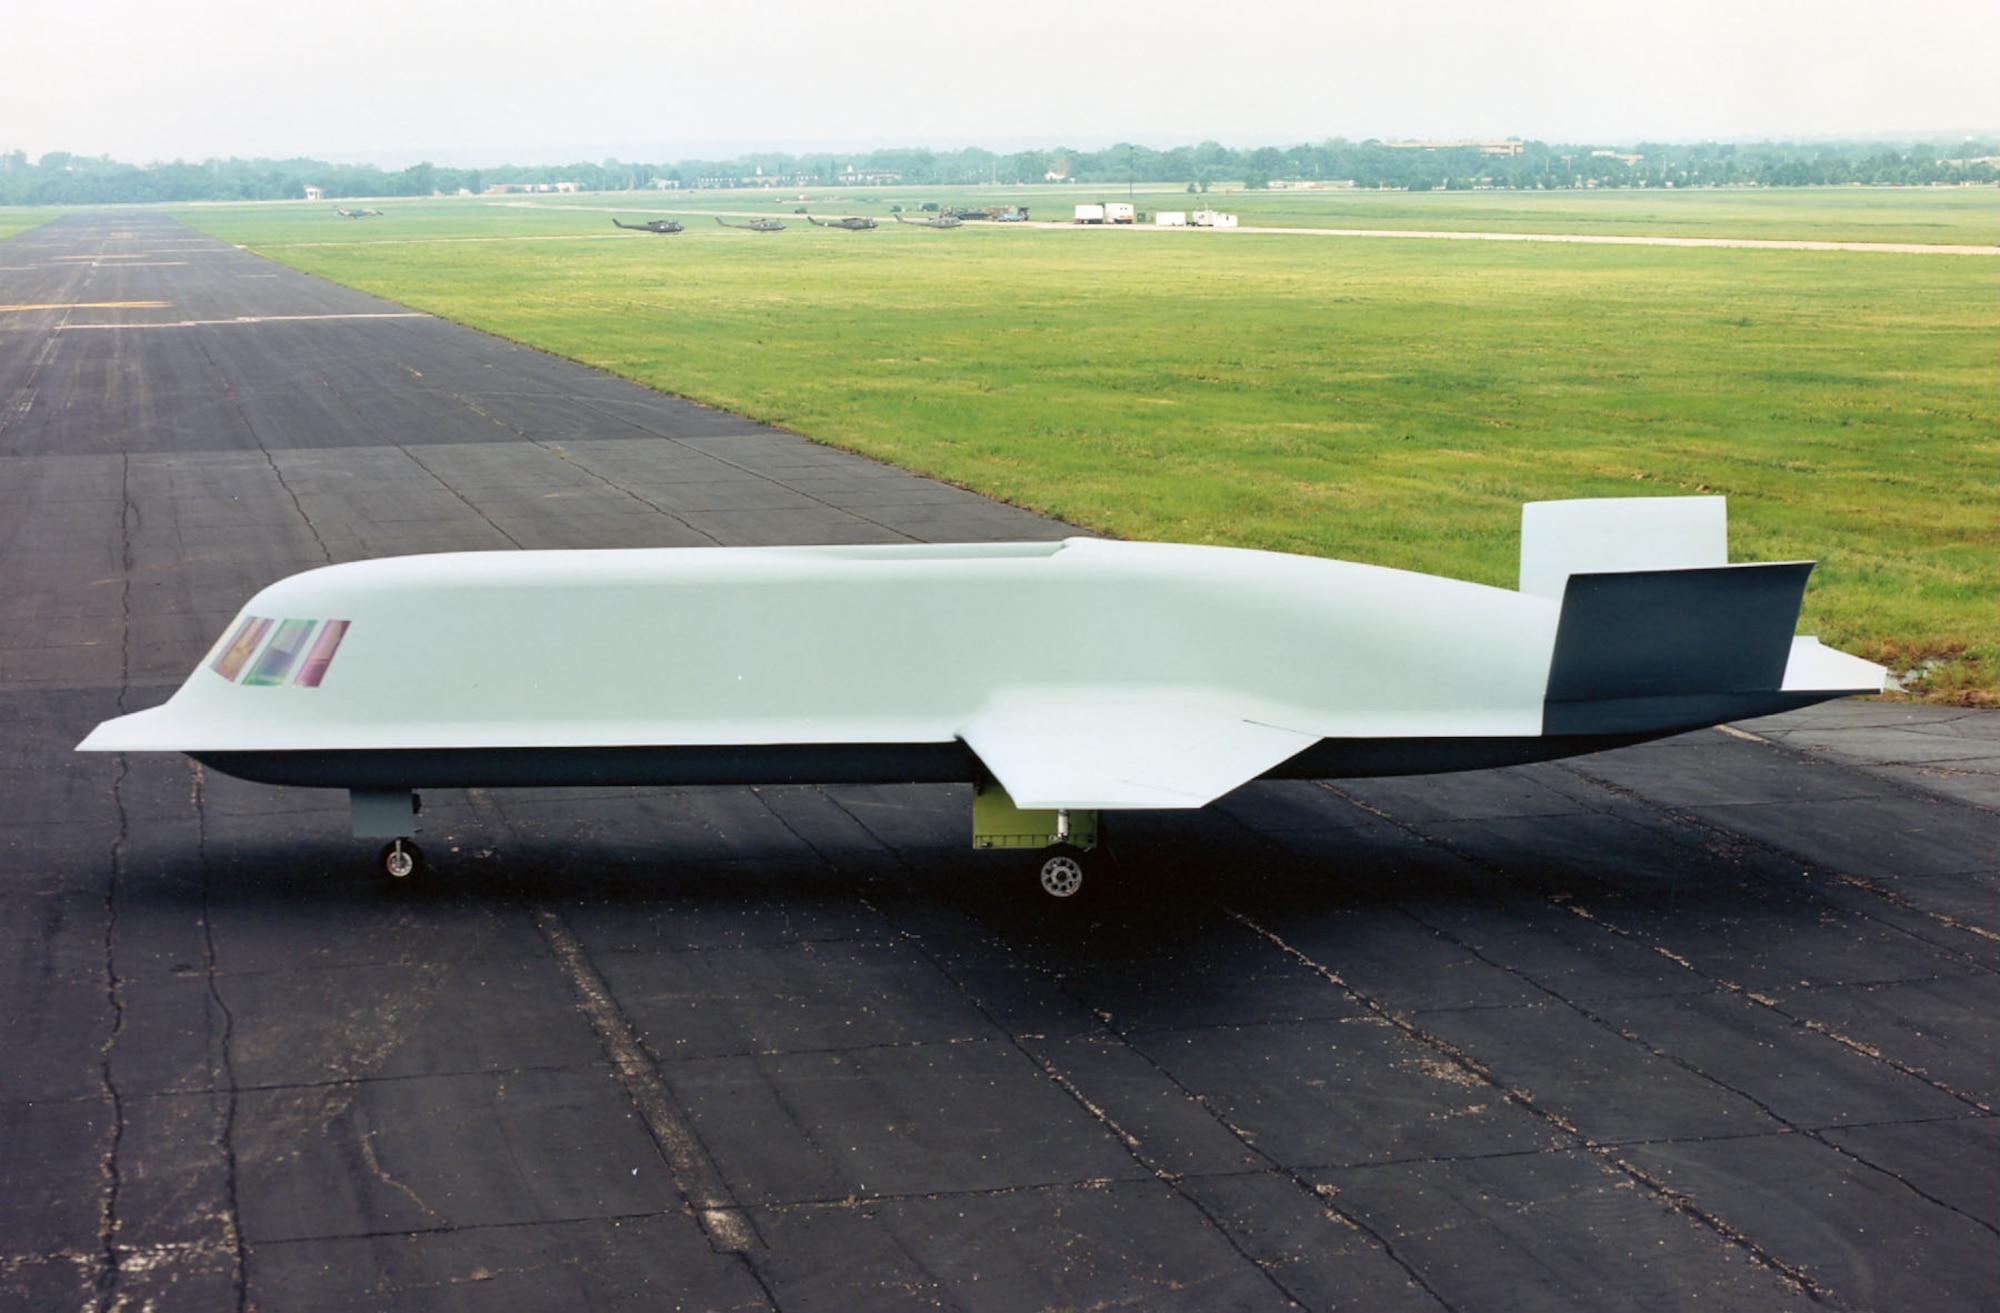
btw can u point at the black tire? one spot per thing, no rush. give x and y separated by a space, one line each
401 863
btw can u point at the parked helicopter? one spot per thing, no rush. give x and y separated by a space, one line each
854 223
755 225
661 226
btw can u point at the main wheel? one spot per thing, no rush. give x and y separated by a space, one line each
401 862
1062 872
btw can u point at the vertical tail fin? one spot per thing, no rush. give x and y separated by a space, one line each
1658 631
1647 649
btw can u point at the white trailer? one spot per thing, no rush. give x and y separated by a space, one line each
1090 214
1171 219
1119 212
1213 219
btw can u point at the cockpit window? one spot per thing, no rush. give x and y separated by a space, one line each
321 655
280 654
230 662
271 651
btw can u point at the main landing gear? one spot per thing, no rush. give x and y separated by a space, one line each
1067 840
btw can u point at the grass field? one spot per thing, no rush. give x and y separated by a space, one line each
1941 216
1387 401
15 221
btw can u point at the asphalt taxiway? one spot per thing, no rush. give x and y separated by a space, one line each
1708 1023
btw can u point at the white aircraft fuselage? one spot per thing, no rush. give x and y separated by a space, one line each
1082 674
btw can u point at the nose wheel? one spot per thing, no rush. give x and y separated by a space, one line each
401 862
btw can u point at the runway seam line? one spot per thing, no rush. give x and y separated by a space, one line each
1681 1203
834 867
1815 1134
556 450
236 403
1789 1125
761 476
1692 821
1132 1144
1831 756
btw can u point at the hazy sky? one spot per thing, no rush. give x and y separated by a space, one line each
482 81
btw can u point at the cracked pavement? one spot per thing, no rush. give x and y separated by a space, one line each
1707 1023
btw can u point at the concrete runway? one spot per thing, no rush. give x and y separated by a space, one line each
1705 1024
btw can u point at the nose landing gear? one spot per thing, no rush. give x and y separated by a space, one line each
401 862
390 814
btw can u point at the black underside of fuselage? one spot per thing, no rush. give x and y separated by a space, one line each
513 768
1575 728
819 763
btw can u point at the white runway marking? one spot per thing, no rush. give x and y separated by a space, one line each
248 319
116 261
86 305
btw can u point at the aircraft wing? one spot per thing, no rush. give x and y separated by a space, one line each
1086 747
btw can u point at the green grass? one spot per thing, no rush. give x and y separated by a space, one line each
1382 401
1934 216
17 221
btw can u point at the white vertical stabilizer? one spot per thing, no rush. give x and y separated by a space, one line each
1606 535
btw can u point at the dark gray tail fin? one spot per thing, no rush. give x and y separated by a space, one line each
1644 650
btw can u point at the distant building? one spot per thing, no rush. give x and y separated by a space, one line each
314 193
1629 161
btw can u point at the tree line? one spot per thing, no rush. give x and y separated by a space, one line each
61 178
